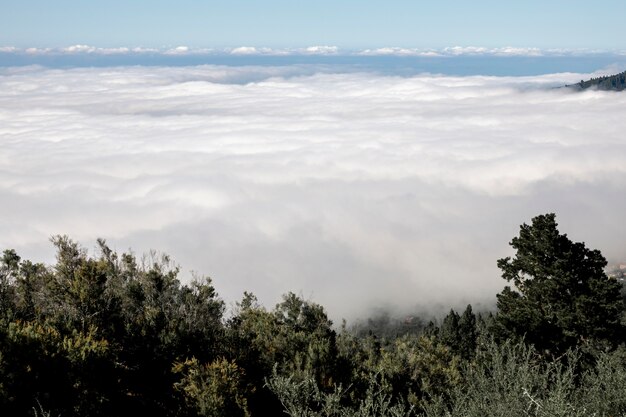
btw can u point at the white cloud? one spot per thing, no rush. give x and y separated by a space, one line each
465 50
355 189
312 50
510 51
396 51
505 51
37 51
244 50
321 50
179 50
79 48
122 50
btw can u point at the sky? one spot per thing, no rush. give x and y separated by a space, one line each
289 24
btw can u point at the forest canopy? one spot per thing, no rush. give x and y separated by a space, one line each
616 82
109 335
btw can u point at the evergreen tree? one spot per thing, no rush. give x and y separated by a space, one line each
449 331
467 333
561 295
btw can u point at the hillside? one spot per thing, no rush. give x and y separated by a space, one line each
110 334
615 82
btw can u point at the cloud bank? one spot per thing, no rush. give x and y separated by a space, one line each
355 189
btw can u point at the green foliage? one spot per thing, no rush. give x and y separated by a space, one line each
296 337
615 82
9 268
511 379
603 388
214 389
110 334
419 368
92 335
64 371
449 332
458 333
562 297
303 398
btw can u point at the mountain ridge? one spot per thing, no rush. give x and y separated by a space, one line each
616 82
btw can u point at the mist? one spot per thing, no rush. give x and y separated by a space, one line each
357 190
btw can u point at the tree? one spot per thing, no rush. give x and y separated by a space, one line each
214 389
561 295
459 332
467 333
449 331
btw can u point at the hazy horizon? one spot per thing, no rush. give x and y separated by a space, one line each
453 60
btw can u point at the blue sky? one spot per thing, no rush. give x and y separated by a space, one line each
291 23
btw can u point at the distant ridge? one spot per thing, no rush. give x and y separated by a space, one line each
615 82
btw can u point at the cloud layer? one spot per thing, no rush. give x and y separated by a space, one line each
453 51
355 189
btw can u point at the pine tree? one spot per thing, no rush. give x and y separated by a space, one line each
561 295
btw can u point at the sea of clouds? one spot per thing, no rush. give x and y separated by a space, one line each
356 190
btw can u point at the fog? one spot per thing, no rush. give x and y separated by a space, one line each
355 190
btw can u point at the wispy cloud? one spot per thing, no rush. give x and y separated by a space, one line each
355 189
506 51
396 51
